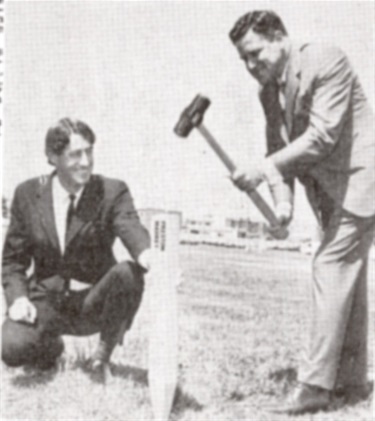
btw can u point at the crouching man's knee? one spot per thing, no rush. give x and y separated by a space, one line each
16 343
22 344
129 277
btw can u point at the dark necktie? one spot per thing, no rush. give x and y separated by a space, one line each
281 100
69 215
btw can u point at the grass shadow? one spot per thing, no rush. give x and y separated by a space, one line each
342 397
285 378
237 396
288 375
183 401
138 375
33 377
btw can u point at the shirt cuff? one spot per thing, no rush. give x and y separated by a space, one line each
144 259
270 172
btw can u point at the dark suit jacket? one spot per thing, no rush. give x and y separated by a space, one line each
105 211
328 135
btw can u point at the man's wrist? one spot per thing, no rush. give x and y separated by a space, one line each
271 174
284 212
284 207
144 259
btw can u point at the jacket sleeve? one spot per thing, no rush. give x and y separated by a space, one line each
17 253
330 78
127 225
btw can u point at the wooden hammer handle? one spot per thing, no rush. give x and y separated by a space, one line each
257 199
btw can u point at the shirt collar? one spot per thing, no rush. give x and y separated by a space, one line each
61 194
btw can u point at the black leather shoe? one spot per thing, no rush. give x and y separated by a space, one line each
354 393
99 371
305 398
99 362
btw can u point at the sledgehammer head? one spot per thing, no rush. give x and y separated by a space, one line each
192 116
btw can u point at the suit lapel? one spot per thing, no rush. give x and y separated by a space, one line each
45 209
292 86
88 207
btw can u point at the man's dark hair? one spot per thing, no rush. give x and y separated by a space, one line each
264 22
58 136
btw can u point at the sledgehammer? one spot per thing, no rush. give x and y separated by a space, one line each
192 117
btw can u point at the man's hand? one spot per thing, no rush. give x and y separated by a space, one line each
284 214
247 180
145 259
22 310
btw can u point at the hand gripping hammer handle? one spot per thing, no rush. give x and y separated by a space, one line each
192 117
257 199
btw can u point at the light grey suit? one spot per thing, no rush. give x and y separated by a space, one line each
325 137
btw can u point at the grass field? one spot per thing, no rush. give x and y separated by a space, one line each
242 325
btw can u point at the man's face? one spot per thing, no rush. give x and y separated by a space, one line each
263 57
74 165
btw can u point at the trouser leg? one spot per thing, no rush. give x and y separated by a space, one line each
352 370
338 299
110 303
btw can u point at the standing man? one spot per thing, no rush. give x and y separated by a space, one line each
320 129
64 225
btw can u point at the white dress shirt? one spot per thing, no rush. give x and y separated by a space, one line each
282 83
61 202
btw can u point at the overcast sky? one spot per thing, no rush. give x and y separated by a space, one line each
129 68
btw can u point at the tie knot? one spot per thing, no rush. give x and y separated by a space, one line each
72 198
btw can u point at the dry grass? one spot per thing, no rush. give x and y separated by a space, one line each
242 323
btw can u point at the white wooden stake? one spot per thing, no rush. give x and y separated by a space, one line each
162 369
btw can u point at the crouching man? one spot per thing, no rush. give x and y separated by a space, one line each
65 225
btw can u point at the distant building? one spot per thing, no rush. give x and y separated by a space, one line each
147 214
220 230
245 228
